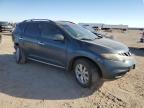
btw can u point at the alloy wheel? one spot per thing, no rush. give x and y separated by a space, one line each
82 73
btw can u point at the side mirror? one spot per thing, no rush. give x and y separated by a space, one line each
59 37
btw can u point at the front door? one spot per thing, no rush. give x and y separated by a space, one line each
51 50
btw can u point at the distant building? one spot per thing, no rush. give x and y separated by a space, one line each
121 27
136 28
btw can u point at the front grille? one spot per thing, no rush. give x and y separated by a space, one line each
125 54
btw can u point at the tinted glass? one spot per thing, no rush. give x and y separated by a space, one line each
32 30
49 31
22 27
17 29
78 32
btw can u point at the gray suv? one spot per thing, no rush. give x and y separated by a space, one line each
66 45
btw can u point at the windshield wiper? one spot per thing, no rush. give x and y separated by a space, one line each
99 37
86 39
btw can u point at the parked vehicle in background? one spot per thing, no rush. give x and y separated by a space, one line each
142 37
0 38
5 26
0 27
69 46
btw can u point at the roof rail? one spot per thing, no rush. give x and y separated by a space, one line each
36 20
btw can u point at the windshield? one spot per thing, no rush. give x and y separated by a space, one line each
78 32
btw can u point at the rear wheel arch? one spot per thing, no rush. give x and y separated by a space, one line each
20 55
16 45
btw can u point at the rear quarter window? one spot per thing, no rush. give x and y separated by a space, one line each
19 28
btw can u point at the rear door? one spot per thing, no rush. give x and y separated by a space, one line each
29 37
51 50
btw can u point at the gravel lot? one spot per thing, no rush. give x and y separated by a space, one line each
34 85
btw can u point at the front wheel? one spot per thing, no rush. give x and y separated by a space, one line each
20 56
86 73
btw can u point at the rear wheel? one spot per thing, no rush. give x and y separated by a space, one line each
86 73
20 56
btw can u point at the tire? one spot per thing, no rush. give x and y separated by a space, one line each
86 73
20 56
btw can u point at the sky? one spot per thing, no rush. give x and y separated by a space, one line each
128 12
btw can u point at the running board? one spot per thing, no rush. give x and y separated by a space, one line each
45 63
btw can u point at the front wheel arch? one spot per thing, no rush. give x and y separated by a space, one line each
71 64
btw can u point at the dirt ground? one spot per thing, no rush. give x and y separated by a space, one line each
34 85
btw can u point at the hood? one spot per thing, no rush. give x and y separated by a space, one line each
105 45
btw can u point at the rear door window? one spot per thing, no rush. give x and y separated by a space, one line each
32 30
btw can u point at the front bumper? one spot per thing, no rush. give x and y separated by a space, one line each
116 69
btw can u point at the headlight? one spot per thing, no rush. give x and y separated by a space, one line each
115 57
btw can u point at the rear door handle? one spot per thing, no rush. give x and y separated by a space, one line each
20 38
41 43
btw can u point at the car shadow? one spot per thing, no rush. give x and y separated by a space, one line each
137 51
38 81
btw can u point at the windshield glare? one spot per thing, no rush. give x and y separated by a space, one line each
79 32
